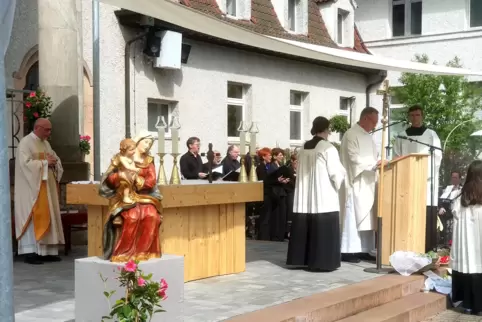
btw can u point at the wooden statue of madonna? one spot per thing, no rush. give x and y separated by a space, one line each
132 230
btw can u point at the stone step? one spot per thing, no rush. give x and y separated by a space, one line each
413 308
339 303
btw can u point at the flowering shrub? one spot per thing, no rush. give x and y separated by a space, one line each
37 105
84 144
142 297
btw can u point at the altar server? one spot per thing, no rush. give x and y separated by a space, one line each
359 156
466 254
315 234
402 147
37 212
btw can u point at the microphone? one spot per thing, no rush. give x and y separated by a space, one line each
402 137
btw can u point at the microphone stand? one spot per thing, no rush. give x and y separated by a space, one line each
389 125
210 157
432 149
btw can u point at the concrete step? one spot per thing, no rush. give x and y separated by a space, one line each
339 303
413 308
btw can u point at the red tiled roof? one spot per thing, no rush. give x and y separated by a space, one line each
265 21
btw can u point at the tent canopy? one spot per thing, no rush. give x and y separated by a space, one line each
191 19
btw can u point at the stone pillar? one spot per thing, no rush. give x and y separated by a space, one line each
60 72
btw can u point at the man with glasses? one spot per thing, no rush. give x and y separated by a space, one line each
38 222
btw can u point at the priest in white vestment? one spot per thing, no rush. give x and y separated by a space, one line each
315 234
359 156
38 223
417 131
466 252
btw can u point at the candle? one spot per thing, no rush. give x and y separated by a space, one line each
175 141
242 142
252 143
161 139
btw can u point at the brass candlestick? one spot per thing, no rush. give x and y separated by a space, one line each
175 177
161 175
243 177
253 177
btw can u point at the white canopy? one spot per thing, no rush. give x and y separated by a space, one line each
191 19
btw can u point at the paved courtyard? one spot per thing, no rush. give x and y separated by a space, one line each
45 293
454 316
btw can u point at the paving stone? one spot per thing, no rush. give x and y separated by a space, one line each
46 292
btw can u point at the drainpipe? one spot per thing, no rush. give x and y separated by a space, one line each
127 82
379 79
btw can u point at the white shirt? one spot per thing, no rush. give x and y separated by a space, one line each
466 255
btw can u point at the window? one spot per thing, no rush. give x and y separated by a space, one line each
156 109
406 17
346 104
475 13
231 7
341 23
296 110
292 15
236 105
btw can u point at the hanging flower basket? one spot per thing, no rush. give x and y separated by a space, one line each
37 105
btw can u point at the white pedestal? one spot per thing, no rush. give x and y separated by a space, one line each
91 304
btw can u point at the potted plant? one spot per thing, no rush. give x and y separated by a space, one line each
339 124
84 145
142 296
37 105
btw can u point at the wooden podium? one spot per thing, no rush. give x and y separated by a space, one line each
404 205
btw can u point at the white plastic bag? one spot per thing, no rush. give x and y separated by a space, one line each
407 263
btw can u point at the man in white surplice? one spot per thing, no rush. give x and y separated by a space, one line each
359 156
37 213
417 131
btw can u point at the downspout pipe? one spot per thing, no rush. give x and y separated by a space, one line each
376 83
127 82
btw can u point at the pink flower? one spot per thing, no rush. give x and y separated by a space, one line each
87 138
35 114
32 94
450 242
131 266
28 105
141 281
163 285
162 294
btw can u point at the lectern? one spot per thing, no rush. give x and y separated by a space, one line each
404 205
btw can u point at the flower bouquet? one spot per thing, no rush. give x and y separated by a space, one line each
84 144
37 105
142 296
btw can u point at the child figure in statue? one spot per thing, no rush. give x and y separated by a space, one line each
127 169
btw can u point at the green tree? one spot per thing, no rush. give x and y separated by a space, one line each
444 110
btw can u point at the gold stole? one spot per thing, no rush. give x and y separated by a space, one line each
41 208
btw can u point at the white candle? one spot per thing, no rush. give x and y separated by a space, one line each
252 143
242 143
175 140
161 139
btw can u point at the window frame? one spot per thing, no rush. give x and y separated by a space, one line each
348 113
235 8
237 102
299 109
344 15
469 6
171 105
295 13
407 17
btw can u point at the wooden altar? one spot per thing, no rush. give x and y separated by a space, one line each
203 222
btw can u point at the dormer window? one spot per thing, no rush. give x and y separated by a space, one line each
340 21
237 9
293 15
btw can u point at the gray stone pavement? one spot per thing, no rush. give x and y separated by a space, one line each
45 293
454 316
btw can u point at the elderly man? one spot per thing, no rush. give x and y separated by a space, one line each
38 223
